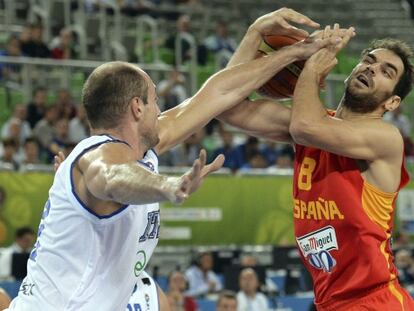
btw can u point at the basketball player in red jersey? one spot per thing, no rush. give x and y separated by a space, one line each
348 171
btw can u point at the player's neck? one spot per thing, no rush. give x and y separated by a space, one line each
346 114
125 134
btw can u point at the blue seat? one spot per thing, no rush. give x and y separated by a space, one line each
162 282
280 281
296 303
206 305
11 287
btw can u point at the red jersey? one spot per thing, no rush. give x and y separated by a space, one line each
343 226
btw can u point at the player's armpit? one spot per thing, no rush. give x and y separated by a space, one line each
262 118
359 139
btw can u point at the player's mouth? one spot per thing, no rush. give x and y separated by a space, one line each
364 79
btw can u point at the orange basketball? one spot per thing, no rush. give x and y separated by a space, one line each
283 83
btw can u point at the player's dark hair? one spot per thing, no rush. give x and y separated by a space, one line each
21 232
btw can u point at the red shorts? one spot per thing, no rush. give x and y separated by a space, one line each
391 297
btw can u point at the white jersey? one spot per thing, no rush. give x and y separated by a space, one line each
145 295
83 261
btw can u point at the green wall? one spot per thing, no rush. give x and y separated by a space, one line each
254 209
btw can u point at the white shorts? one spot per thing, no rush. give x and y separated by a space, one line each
145 295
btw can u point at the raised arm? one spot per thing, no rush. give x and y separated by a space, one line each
274 23
226 89
111 173
311 126
264 118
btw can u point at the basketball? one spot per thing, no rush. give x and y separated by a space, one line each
283 83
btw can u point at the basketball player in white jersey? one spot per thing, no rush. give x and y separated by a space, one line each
100 224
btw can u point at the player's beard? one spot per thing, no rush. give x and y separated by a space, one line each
363 103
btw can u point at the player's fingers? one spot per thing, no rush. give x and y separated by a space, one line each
195 171
349 34
326 32
203 157
299 18
213 166
326 42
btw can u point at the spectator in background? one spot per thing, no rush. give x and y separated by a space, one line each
31 151
285 156
139 7
401 239
201 278
220 42
35 46
250 154
399 120
11 71
172 90
405 265
63 46
23 244
182 154
248 298
9 154
177 285
44 131
37 106
4 299
65 105
26 35
78 126
19 114
249 261
270 151
227 301
60 139
233 158
255 160
184 29
403 123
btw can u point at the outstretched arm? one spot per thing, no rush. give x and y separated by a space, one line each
226 89
111 173
311 126
264 118
267 118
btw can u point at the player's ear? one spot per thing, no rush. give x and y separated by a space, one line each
392 103
137 107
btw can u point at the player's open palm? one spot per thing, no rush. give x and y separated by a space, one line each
279 23
325 59
191 181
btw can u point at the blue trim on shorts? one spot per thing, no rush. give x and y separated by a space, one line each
123 207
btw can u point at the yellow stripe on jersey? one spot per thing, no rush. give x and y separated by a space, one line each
377 205
397 294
